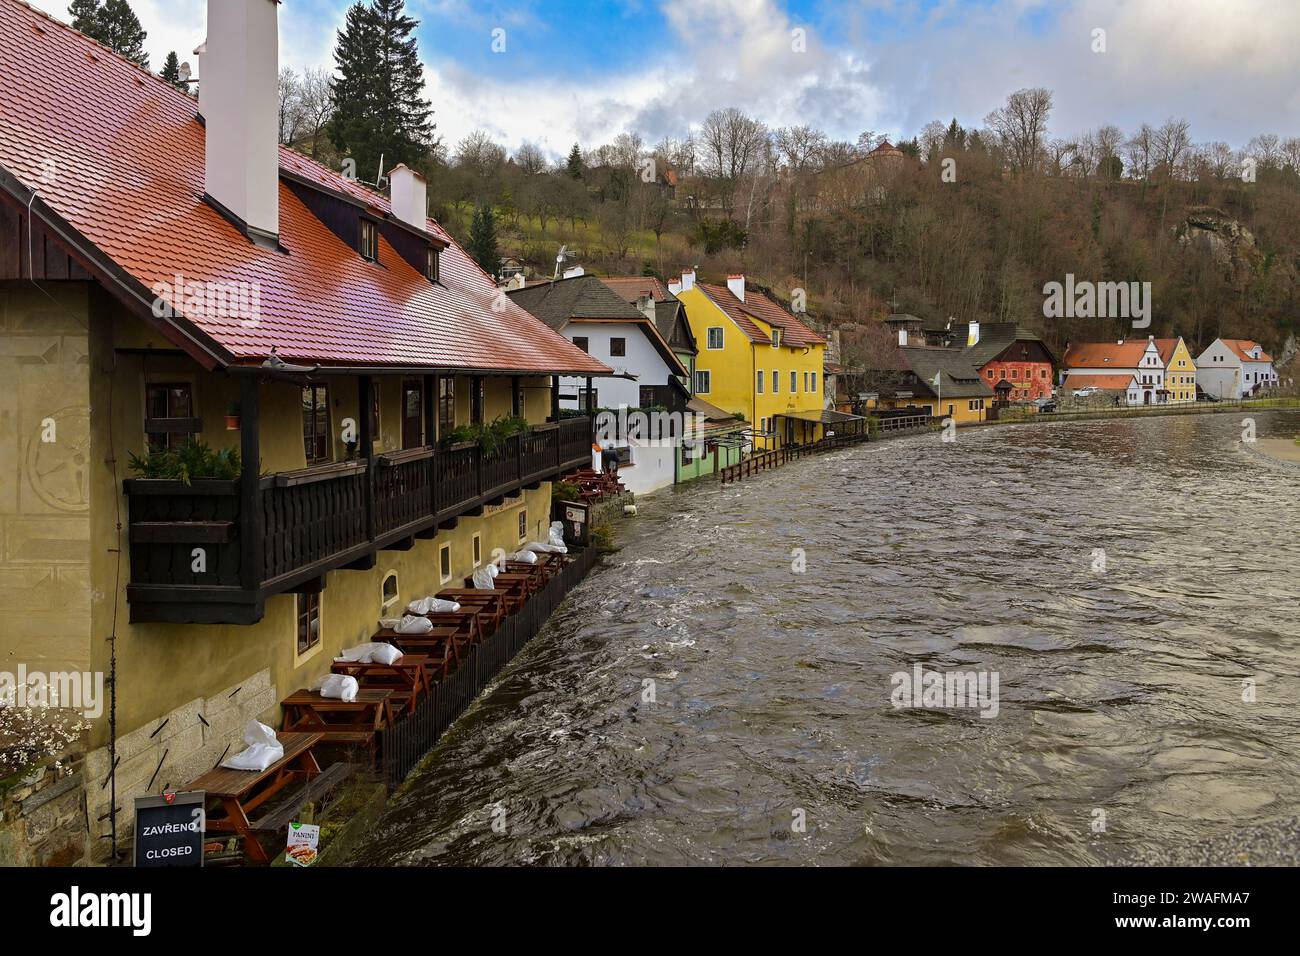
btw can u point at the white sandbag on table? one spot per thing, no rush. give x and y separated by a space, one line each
337 687
410 624
524 557
375 652
432 605
483 578
264 749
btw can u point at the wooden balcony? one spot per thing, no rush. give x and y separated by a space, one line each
199 556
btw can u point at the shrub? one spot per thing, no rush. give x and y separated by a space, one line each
194 458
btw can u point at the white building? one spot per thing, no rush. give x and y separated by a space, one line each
1234 368
1131 367
647 373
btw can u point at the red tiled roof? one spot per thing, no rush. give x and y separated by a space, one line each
758 306
1166 348
631 288
118 153
1119 382
1105 354
1243 346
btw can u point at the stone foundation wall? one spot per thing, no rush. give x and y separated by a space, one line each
43 816
171 751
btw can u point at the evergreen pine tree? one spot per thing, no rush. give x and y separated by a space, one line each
482 245
171 71
121 31
379 108
574 166
86 18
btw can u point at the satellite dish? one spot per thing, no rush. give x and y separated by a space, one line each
185 72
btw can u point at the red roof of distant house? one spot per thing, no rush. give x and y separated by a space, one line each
118 154
758 306
1119 382
1126 354
1243 348
631 288
1166 348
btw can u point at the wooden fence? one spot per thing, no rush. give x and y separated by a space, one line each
404 745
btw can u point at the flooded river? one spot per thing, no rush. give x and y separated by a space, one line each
1128 583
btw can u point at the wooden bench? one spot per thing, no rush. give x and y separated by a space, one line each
286 811
241 791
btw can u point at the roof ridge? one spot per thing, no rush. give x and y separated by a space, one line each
126 60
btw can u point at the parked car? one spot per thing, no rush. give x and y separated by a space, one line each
1204 396
1086 391
1045 404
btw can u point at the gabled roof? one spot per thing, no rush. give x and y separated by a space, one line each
670 320
631 288
996 338
959 378
586 298
1166 349
1126 354
581 297
759 306
1101 380
1242 348
115 156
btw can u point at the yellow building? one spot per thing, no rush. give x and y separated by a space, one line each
755 359
332 337
1180 369
933 379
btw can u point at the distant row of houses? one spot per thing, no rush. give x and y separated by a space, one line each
971 371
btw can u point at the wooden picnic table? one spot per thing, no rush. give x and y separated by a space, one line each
407 677
340 721
465 621
240 792
492 605
440 647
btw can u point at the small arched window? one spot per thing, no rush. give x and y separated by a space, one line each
390 588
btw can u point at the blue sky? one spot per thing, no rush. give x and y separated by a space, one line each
584 70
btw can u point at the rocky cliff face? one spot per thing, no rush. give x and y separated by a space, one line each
1213 233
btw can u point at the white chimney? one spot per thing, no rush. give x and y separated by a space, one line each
688 280
407 192
674 286
902 336
238 99
973 336
736 284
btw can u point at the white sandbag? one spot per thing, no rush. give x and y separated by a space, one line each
556 536
337 687
414 625
483 578
538 548
390 623
361 654
264 749
385 654
432 605
524 557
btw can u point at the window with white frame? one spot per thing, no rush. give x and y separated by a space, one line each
702 382
814 381
478 549
715 337
758 382
444 563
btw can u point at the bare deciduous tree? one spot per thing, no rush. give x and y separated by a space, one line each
1021 126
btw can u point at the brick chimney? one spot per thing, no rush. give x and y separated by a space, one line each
239 77
408 192
737 286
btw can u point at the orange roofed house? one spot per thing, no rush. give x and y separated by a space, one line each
168 273
1127 372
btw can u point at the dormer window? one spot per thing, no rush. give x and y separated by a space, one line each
369 241
431 265
776 338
